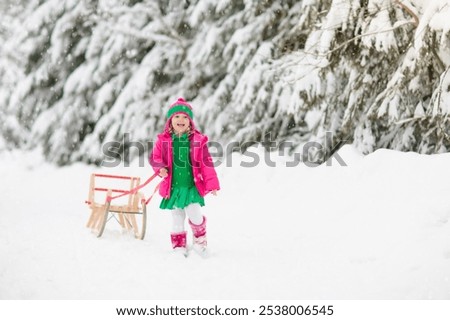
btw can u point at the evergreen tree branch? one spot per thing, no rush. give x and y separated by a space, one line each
439 93
138 34
409 11
441 66
325 54
155 13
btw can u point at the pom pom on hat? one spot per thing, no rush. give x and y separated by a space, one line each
180 106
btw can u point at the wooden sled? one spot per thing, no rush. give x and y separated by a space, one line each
130 211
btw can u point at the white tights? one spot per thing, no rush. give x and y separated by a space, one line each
193 212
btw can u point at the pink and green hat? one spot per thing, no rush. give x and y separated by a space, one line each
180 106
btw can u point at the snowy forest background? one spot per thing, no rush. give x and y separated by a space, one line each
75 74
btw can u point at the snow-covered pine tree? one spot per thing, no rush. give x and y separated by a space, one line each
10 11
380 77
410 113
96 70
371 71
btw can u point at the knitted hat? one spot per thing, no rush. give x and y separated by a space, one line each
180 106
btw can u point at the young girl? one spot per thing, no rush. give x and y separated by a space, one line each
180 156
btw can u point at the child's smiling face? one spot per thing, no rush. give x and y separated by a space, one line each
180 123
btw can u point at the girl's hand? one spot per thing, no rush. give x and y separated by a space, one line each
214 192
163 172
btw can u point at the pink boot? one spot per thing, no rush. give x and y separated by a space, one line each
199 232
179 242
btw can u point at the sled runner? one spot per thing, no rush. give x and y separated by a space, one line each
120 201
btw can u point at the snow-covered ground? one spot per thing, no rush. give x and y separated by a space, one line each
376 229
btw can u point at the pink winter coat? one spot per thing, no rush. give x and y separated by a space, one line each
205 177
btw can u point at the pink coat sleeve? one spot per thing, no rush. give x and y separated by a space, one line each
207 169
156 158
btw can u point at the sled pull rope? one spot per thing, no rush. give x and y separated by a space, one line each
150 198
134 190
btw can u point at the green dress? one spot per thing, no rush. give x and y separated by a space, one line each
183 191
